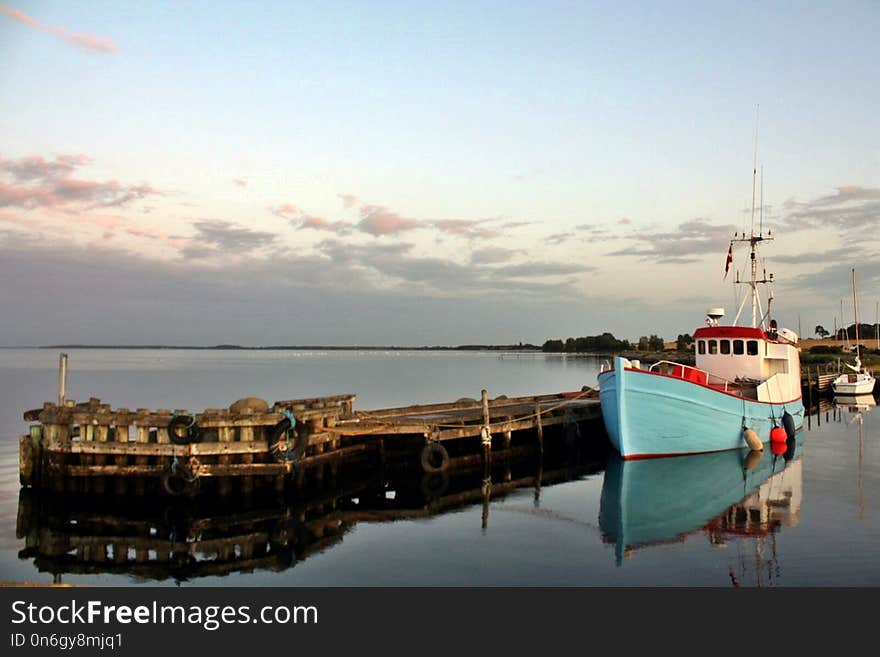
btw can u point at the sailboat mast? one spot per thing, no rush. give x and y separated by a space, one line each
856 310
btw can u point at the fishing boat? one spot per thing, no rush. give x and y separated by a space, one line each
745 389
858 381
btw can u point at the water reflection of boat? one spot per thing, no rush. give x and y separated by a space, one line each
855 403
659 501
856 406
187 539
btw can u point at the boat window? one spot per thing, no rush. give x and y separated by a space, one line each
752 346
701 346
713 346
738 347
725 346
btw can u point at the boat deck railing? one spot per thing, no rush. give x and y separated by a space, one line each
696 375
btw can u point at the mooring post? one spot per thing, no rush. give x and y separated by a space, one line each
486 432
809 401
540 425
62 379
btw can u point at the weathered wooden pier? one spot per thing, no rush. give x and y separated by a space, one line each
90 447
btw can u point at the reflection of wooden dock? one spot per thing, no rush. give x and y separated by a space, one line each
191 538
80 447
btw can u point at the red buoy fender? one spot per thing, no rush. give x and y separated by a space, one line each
778 435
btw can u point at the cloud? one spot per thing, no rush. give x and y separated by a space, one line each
559 238
35 167
300 219
299 299
394 265
348 200
493 255
467 227
83 41
835 281
540 269
596 232
225 237
830 255
850 209
378 220
690 241
34 182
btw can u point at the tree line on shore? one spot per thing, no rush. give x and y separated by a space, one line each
607 343
848 333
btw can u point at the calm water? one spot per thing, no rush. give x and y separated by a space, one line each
806 517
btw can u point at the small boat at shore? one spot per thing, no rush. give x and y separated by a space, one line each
859 381
745 389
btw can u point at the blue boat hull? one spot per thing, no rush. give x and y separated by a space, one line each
650 415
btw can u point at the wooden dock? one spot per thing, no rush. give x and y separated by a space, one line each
90 447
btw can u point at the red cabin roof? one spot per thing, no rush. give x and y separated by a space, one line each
744 332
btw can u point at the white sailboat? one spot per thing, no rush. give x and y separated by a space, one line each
858 381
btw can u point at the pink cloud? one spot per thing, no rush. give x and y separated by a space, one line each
348 200
468 228
37 182
299 219
82 40
377 220
25 197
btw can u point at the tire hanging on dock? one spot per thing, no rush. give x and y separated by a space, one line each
434 458
287 443
180 429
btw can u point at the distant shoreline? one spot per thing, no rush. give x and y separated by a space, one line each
232 347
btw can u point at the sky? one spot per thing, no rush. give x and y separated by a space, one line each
429 173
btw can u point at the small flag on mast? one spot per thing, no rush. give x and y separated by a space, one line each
729 260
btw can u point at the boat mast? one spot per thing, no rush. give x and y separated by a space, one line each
753 241
752 254
856 312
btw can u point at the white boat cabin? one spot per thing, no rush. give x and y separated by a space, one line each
747 356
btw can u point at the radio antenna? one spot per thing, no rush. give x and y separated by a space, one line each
761 231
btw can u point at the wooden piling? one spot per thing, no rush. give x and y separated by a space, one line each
62 379
540 426
486 432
